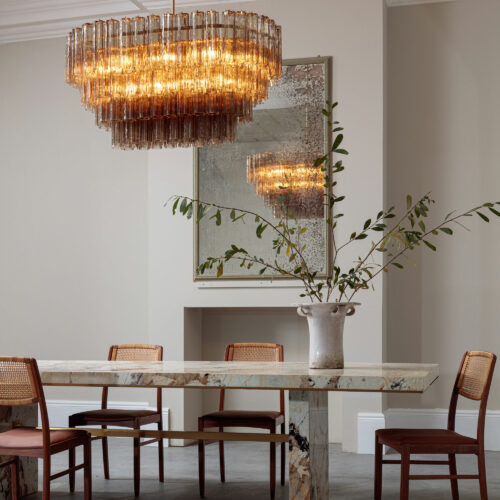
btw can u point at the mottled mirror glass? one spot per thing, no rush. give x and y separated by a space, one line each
288 126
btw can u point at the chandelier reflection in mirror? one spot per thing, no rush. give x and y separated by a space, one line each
176 79
288 182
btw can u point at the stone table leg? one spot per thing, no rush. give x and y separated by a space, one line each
308 445
28 474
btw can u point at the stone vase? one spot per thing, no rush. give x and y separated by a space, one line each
326 332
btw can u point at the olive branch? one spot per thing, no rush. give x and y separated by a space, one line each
394 236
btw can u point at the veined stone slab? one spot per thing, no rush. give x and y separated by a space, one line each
366 377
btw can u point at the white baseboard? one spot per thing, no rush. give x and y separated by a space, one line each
466 423
59 411
368 423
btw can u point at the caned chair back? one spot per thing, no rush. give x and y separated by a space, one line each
473 382
253 351
17 381
474 374
20 384
134 352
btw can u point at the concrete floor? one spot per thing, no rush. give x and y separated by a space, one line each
351 475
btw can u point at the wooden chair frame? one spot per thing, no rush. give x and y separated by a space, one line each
47 450
451 450
204 423
133 423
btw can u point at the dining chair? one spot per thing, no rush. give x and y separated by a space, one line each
134 419
268 420
473 382
20 384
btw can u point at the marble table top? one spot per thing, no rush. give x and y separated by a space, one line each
366 377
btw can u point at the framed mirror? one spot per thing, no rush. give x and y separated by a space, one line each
277 147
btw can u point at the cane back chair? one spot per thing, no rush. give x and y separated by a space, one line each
20 384
473 382
134 419
268 420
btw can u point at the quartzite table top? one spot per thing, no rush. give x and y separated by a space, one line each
366 377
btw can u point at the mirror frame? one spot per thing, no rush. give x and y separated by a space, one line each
327 62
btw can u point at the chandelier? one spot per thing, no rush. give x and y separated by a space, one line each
289 183
176 79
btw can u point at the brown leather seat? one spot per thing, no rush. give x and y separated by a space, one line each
396 438
29 439
111 416
243 415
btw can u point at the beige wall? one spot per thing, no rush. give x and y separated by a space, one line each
351 32
90 257
444 123
73 220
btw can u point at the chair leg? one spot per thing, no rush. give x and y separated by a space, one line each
201 461
378 470
160 455
71 464
482 475
405 472
46 478
87 471
137 465
283 453
453 471
272 468
14 479
222 464
105 455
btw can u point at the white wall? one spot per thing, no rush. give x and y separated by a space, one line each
352 32
73 220
90 257
444 121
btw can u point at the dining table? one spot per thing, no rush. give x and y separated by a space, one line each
307 412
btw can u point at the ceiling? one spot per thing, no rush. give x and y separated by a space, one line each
35 19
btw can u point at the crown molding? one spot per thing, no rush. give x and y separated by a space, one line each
401 3
23 20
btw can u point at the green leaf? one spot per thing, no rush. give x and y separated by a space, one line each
174 207
446 230
232 214
260 229
408 202
361 236
496 212
421 225
341 152
182 208
398 265
220 270
367 224
430 245
483 217
338 141
262 271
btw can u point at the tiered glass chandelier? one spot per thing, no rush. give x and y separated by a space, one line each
288 182
177 79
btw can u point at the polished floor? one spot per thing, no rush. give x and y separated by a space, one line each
351 476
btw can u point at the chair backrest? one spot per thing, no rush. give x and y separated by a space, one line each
134 352
253 351
20 384
473 382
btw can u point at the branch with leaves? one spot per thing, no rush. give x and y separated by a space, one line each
393 239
